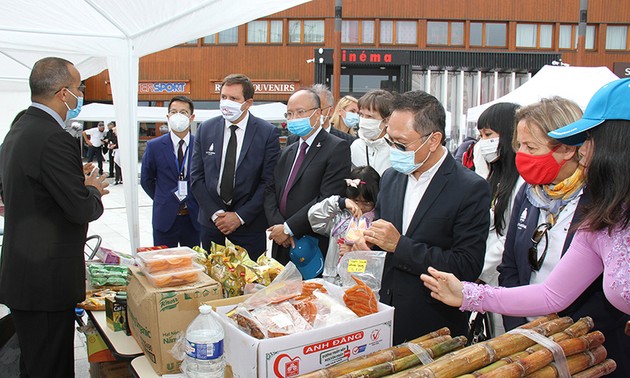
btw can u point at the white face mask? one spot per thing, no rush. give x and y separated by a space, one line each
489 149
231 110
178 122
369 129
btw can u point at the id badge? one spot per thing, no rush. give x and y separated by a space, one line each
182 188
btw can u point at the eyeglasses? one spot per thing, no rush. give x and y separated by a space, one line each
182 112
80 87
540 232
400 146
298 114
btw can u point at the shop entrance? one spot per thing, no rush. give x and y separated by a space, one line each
356 81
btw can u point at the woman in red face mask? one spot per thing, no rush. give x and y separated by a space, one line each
548 204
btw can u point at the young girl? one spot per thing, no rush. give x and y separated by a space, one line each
334 215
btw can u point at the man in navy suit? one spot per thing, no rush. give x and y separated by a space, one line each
433 212
233 160
307 172
165 178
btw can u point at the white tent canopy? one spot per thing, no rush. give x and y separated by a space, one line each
114 34
573 83
271 112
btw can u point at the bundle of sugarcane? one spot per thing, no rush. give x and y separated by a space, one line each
480 355
579 328
391 360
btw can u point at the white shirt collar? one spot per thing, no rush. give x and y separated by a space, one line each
241 125
175 139
429 173
311 139
52 113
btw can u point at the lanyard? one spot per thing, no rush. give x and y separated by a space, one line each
180 170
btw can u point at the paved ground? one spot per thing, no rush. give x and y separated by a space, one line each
112 227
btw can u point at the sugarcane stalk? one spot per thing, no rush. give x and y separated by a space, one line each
543 357
599 370
576 363
478 355
385 355
401 364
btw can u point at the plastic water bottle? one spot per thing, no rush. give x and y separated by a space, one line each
204 346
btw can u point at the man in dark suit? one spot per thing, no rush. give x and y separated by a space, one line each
233 161
433 212
49 201
327 102
165 178
307 172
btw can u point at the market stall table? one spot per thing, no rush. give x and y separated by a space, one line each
123 347
141 368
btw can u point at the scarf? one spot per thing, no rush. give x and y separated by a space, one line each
553 198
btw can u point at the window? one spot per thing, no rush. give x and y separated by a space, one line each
190 43
534 36
399 32
569 33
229 36
488 34
264 31
357 32
616 37
439 33
306 31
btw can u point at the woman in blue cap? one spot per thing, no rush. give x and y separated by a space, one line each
602 242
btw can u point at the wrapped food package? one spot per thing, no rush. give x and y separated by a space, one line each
107 275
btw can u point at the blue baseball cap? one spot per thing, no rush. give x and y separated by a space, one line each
307 257
610 102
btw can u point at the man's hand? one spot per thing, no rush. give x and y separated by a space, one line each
88 168
383 234
361 245
227 222
276 233
99 182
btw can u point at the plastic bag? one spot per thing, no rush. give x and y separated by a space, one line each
287 284
330 310
365 265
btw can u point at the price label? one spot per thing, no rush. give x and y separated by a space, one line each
357 266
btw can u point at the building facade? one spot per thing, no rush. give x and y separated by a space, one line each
465 53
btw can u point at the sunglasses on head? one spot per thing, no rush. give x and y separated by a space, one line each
539 233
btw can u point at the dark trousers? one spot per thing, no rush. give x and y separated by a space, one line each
111 162
96 151
46 342
181 234
255 243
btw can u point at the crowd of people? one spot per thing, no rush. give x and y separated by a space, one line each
535 221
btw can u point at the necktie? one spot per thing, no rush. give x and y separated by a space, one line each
294 171
180 158
227 180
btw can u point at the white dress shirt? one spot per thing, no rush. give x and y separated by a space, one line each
416 189
175 140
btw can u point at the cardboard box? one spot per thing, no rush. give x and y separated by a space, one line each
157 315
304 352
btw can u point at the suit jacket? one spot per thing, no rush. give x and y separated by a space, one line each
254 169
448 231
321 175
47 210
338 133
159 178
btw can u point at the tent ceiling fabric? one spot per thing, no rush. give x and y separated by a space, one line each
114 34
578 84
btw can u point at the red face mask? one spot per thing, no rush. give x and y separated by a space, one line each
538 169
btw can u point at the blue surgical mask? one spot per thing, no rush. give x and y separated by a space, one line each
74 113
300 126
351 120
404 161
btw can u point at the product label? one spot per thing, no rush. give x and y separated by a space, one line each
204 351
356 266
